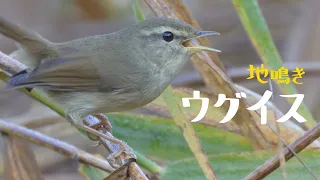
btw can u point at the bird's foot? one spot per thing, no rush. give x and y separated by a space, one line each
124 149
96 144
101 123
119 154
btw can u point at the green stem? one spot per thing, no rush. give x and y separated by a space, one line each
147 164
137 11
259 34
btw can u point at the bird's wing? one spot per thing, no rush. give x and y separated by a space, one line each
64 74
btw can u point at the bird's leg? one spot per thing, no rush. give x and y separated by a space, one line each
104 123
101 125
123 147
102 135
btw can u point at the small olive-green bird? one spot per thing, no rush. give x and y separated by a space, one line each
104 73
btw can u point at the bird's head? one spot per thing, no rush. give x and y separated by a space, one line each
165 39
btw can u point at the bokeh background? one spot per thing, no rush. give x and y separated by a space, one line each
294 24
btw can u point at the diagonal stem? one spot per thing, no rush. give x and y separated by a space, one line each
273 163
6 65
189 133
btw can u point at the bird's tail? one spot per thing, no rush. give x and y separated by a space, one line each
17 81
30 40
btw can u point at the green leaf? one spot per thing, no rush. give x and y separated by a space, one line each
92 173
137 10
160 139
237 166
257 29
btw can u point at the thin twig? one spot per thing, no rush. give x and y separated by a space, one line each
291 150
55 145
280 144
278 112
10 65
273 163
281 154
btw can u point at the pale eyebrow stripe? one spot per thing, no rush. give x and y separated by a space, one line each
162 29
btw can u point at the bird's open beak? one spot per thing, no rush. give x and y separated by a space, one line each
200 48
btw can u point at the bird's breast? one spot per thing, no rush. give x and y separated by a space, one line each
158 78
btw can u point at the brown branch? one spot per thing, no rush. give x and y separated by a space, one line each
120 173
55 145
273 163
135 172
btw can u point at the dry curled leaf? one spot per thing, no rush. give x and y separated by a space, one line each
19 160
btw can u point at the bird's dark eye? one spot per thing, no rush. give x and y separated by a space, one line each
167 36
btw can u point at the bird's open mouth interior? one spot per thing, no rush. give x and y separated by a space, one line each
188 44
